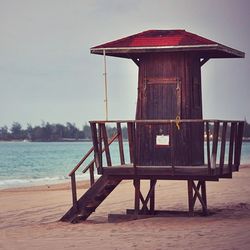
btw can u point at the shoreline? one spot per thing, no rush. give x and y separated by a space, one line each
62 183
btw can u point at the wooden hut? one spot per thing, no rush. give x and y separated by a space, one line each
166 140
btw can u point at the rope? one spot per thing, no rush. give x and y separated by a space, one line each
177 122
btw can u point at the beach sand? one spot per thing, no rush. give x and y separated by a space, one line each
29 218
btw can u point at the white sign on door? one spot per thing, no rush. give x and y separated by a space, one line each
162 140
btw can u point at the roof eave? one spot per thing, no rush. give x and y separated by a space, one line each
126 51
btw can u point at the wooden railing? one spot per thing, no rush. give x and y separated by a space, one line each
221 139
89 167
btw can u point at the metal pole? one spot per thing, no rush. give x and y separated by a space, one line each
105 86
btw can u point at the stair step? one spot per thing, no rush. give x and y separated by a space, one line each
109 187
100 197
79 218
90 207
89 201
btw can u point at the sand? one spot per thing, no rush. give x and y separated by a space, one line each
29 218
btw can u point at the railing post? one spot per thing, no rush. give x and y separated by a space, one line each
131 141
106 144
238 144
215 144
91 174
97 152
231 146
73 187
120 141
223 146
99 138
208 149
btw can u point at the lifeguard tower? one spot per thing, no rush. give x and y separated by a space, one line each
168 140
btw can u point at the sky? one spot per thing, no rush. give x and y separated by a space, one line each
48 74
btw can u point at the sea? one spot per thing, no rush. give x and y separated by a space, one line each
45 163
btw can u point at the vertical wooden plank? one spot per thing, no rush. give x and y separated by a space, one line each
238 145
73 187
96 146
215 144
134 130
130 141
100 144
231 145
152 197
204 196
106 144
223 146
120 141
190 198
208 148
91 174
172 144
137 195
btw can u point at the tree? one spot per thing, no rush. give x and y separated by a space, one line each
87 131
247 130
4 134
72 131
16 131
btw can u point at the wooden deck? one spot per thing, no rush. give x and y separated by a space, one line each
128 171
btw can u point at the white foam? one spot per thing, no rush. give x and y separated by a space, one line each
11 183
8 183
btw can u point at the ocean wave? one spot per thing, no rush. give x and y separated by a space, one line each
9 183
30 182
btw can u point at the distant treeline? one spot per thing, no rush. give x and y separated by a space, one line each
59 132
49 132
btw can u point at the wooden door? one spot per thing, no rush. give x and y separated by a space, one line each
163 98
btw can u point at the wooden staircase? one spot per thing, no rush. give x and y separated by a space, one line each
94 196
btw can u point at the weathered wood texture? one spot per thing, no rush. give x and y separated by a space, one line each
169 86
218 166
221 160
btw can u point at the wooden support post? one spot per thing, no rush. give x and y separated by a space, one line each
91 173
74 194
223 146
148 197
238 144
195 188
106 144
215 144
204 196
208 149
231 146
144 209
195 194
100 147
97 151
120 141
131 141
190 198
137 196
152 197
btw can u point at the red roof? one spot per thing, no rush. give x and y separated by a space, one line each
158 38
165 41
